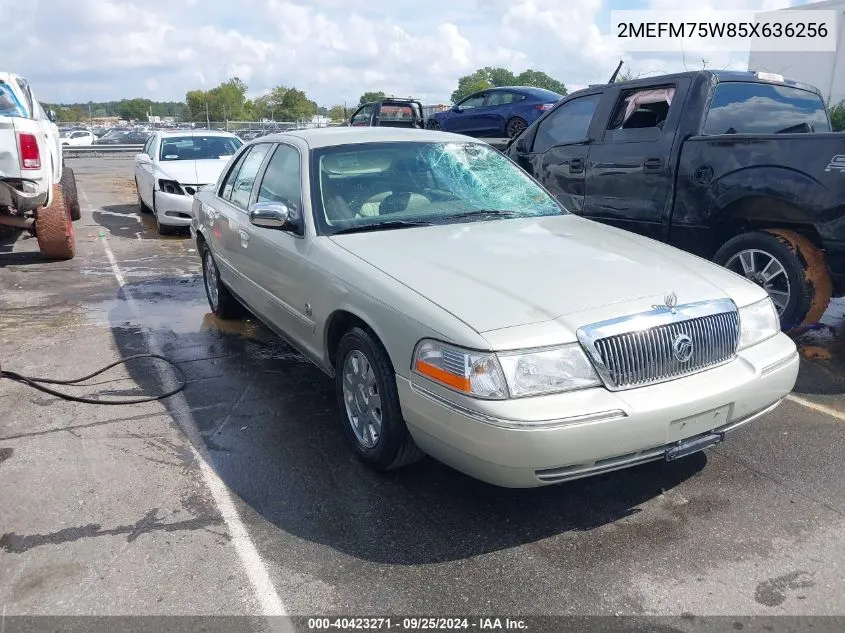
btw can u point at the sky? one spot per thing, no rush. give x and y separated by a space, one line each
334 50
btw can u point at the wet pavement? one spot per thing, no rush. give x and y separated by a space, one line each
115 510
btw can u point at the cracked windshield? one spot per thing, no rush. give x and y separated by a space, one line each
376 183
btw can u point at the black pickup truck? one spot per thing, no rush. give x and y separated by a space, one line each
389 112
737 167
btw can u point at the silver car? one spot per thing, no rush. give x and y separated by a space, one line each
463 313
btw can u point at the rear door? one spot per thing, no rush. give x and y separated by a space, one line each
556 153
231 226
493 115
630 174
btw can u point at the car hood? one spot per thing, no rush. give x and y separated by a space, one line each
506 273
192 172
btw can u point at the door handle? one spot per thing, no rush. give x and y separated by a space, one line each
244 237
576 166
653 164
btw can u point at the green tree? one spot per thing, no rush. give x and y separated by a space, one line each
539 79
371 96
837 117
489 77
337 113
296 105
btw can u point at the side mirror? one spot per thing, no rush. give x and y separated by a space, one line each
522 145
456 109
51 114
270 215
143 159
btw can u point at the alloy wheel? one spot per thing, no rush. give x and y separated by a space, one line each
362 399
765 270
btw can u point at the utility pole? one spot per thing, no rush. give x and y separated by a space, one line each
207 120
90 118
225 118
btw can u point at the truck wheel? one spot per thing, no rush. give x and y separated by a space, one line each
788 266
365 384
71 194
54 228
515 127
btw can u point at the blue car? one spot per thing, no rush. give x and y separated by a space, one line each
495 112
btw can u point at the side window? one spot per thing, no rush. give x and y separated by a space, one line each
764 108
499 98
282 180
362 116
242 185
640 115
23 84
148 146
475 101
228 183
567 124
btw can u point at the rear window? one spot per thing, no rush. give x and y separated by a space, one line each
396 113
756 108
198 147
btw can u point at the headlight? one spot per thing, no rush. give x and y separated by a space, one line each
473 373
757 322
547 371
170 186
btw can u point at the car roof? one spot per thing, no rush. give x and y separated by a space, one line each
330 136
166 133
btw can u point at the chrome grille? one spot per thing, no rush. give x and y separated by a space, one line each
646 355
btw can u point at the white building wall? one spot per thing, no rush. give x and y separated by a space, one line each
825 71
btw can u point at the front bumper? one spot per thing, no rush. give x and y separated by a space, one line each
541 440
173 209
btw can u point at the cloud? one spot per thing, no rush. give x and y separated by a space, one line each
332 49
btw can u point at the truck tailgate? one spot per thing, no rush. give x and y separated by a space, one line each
9 163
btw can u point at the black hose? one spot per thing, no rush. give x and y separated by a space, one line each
38 383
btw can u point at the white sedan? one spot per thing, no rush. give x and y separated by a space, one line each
77 137
173 166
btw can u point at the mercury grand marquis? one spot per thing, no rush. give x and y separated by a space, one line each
464 313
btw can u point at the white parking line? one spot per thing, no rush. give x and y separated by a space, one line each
839 415
256 570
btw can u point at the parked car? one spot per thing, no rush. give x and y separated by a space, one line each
122 137
77 137
737 167
495 112
389 112
463 312
36 192
173 166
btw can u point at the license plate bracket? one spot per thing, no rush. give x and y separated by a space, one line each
693 445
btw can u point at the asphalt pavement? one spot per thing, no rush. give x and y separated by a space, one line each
239 496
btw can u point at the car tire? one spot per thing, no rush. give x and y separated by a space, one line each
515 126
71 193
804 276
54 228
433 124
365 385
220 300
142 206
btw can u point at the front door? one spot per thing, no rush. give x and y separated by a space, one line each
278 256
558 153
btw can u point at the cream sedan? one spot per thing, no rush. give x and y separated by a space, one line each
463 313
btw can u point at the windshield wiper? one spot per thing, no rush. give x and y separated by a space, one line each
481 213
381 226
